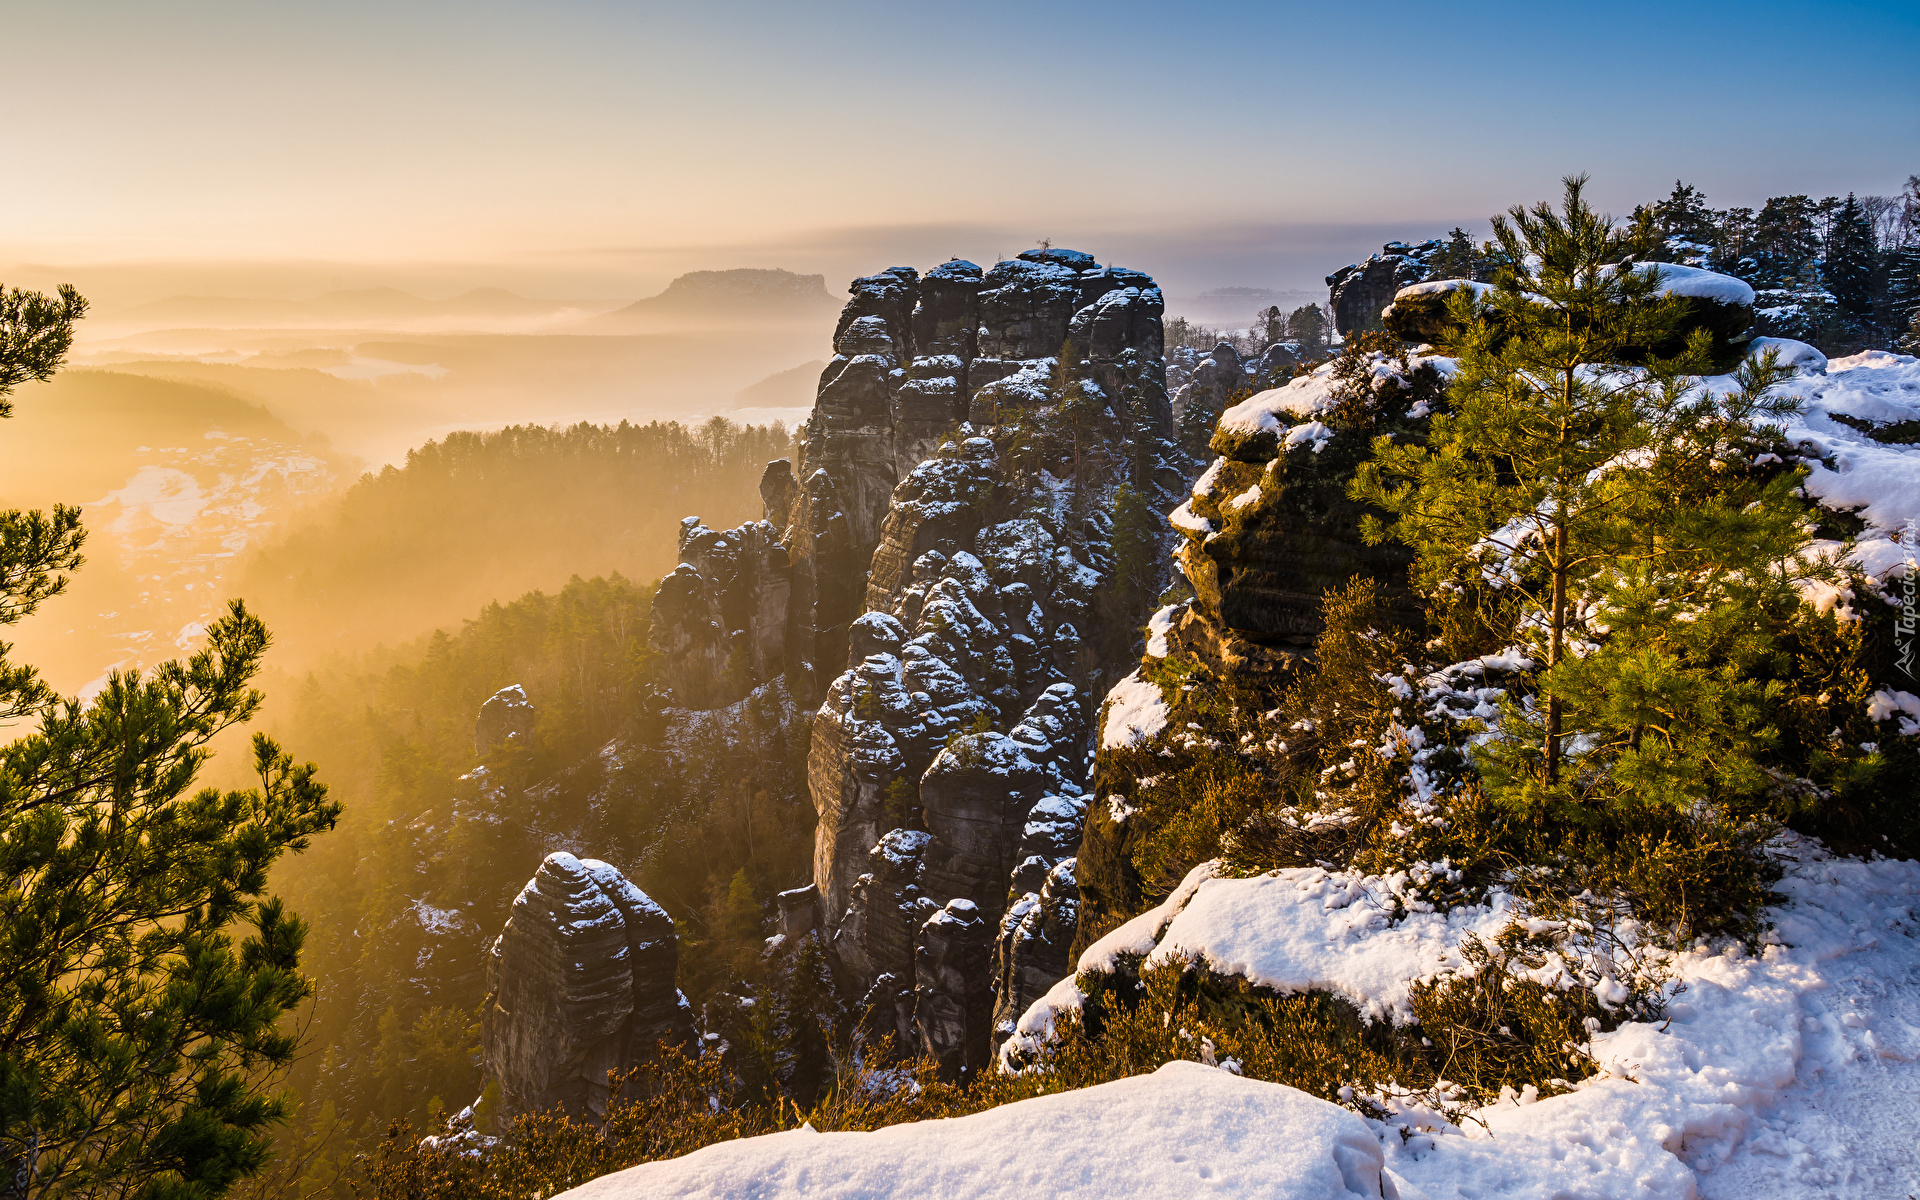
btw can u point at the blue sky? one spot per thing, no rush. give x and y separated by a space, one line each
580 144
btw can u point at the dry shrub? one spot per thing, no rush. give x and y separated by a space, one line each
1480 1033
661 1110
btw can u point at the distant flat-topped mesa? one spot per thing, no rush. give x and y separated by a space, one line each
747 293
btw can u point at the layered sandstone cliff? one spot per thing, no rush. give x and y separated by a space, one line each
937 574
952 539
1359 291
580 984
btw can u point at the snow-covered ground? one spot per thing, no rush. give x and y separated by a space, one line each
1794 1073
1880 481
1791 1074
1185 1130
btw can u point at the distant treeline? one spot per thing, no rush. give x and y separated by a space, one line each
1841 272
478 517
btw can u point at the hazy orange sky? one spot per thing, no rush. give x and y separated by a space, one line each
573 148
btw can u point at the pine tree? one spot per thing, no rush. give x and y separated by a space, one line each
1733 242
1457 259
1557 464
1269 326
1903 286
1785 239
1137 556
143 969
1850 253
1309 326
1684 215
1081 421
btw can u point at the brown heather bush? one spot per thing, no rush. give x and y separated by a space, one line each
661 1110
1476 1035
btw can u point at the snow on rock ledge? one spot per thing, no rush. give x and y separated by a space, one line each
1135 710
1697 284
1258 427
1297 930
1185 1130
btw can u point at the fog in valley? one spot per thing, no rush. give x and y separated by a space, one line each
200 431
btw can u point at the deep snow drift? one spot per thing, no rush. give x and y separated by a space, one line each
1185 1130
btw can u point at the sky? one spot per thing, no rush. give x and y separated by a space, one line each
582 147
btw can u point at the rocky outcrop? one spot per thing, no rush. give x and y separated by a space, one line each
953 988
506 715
1200 401
914 357
948 759
985 790
1266 531
874 941
1032 951
580 984
1359 291
1276 363
1421 313
1720 305
798 911
719 621
1268 528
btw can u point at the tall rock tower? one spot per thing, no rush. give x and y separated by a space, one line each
958 609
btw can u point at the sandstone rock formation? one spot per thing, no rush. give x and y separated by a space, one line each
720 619
1198 404
1361 290
580 983
1276 363
1266 531
957 569
1268 527
953 988
506 714
914 356
1419 312
1719 304
931 575
1031 952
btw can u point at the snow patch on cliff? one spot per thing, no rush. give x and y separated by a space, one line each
1135 710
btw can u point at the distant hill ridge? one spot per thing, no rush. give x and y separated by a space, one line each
743 290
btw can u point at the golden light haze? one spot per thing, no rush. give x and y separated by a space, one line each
1234 143
215 174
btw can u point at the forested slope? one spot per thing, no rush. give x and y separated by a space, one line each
479 517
